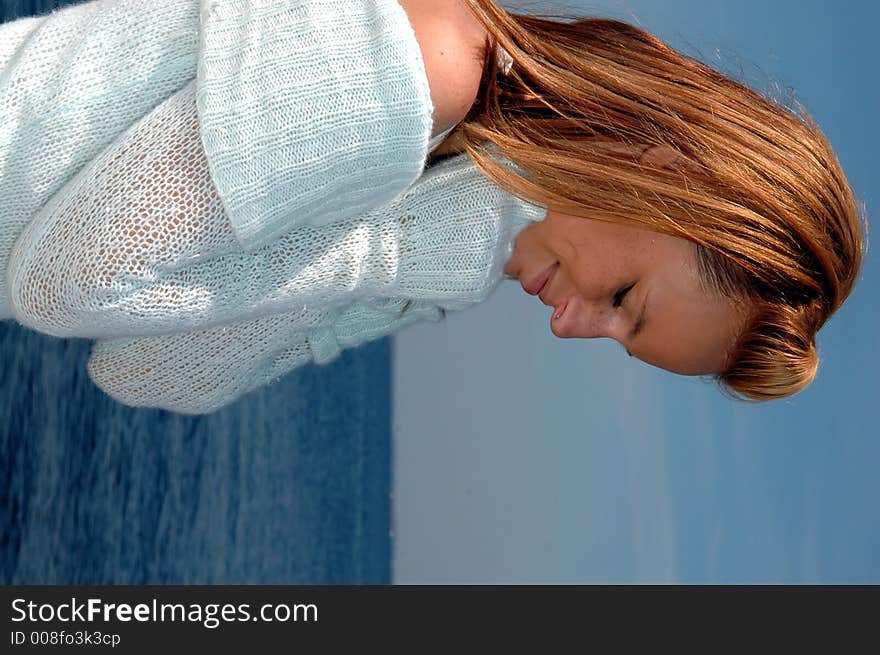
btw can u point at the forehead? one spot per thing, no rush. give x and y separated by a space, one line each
691 330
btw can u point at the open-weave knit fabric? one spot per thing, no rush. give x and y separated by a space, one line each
311 110
132 236
70 82
201 372
138 243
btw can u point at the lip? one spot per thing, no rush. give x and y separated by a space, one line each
538 283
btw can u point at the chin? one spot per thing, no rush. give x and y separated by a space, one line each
558 330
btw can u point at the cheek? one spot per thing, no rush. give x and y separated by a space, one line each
689 338
599 257
598 273
530 242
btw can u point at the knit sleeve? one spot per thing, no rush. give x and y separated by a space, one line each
310 110
138 244
203 371
72 80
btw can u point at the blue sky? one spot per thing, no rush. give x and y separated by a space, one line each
567 462
795 482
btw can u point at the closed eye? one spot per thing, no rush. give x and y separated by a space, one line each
619 296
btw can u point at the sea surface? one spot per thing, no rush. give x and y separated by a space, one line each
289 485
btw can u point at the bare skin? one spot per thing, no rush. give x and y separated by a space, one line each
612 278
653 276
452 43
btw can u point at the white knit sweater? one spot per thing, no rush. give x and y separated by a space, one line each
309 110
110 259
138 244
142 248
71 81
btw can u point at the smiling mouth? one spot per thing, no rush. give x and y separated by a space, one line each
550 276
536 285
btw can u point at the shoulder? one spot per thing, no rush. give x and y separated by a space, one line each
452 42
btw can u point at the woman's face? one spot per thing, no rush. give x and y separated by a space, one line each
664 317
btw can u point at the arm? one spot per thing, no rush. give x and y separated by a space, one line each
338 118
201 372
138 243
452 44
70 82
57 113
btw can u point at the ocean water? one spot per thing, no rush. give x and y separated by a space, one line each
289 485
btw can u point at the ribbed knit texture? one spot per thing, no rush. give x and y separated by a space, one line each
448 260
70 82
138 243
201 372
313 109
308 108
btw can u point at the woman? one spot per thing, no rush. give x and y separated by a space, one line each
705 228
776 230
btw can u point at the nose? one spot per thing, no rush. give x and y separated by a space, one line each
585 319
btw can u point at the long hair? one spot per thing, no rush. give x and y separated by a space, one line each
763 197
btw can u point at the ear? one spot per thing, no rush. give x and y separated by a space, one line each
665 157
658 156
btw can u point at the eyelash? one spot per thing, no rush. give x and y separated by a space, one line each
618 297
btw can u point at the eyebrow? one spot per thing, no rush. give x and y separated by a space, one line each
640 323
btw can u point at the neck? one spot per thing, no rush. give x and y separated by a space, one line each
450 145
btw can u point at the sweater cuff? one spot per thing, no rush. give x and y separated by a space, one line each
458 261
366 320
325 347
310 110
